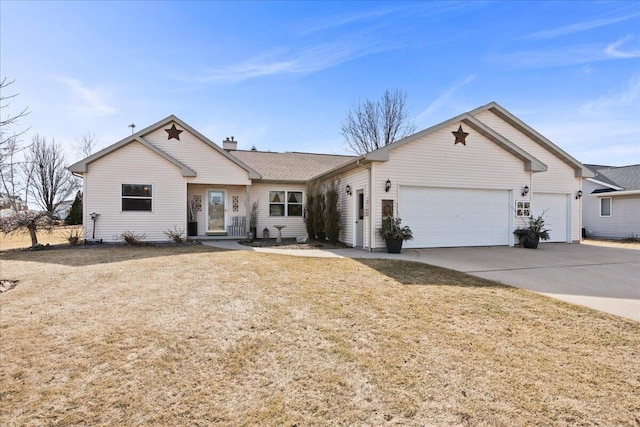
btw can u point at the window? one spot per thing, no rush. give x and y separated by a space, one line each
285 203
136 197
605 206
523 208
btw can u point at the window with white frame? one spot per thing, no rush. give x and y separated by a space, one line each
523 208
285 203
605 206
137 197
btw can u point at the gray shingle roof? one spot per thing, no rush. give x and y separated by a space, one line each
290 166
627 177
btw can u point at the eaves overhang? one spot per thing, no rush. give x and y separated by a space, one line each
531 163
81 166
581 171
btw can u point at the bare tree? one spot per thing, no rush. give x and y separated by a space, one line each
6 122
11 166
373 124
87 144
52 183
27 222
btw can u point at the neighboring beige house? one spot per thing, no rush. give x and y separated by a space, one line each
469 181
611 202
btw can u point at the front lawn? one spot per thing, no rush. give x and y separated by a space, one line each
195 336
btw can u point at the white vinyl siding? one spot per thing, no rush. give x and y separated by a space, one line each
347 204
625 221
559 178
435 161
295 225
133 163
210 165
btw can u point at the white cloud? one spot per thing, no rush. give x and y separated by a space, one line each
90 102
343 20
603 130
302 61
445 97
622 98
614 49
559 57
580 26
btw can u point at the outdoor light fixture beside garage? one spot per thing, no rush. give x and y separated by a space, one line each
579 194
387 186
525 190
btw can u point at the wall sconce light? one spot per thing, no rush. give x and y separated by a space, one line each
578 194
348 189
525 190
387 186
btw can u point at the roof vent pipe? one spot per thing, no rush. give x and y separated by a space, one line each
230 144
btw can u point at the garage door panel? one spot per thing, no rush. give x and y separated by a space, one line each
555 217
445 217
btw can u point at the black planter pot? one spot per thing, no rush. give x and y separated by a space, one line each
192 228
394 246
531 242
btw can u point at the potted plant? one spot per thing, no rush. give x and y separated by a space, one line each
394 233
192 217
253 218
531 235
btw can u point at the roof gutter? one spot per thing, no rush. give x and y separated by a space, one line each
618 193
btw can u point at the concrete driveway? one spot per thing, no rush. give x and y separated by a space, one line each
607 279
603 278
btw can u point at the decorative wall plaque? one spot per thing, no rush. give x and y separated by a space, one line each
460 136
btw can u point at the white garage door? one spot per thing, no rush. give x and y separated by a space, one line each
445 217
555 217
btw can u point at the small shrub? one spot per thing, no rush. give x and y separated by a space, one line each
176 235
318 216
74 237
133 238
631 238
332 212
309 210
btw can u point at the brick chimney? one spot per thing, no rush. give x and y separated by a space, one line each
230 144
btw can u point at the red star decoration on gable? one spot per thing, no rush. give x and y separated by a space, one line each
460 136
173 132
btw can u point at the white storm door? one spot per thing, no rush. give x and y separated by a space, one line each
215 211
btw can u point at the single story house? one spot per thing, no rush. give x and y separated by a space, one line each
469 181
611 205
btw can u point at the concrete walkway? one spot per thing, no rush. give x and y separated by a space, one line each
603 278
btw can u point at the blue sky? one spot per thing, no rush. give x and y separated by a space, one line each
282 75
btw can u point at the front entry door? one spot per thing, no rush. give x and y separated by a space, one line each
215 212
360 219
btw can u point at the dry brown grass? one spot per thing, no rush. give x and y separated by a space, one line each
22 240
194 336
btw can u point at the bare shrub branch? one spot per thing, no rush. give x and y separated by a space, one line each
371 125
52 183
